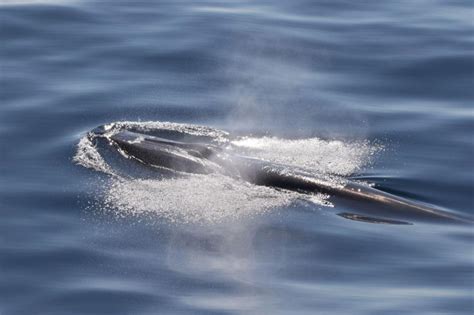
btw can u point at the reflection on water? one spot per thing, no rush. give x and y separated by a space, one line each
351 77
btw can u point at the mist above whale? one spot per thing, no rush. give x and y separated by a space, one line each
188 149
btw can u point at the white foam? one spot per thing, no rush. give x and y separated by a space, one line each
88 156
314 154
193 199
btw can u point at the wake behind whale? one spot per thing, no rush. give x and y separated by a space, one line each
162 159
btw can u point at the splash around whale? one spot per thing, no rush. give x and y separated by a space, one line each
269 168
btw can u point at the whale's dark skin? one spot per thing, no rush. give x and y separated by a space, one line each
206 158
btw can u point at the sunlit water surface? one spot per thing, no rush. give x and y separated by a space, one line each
379 91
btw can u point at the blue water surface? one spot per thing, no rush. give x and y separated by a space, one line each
398 73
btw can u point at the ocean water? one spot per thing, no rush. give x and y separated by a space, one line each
379 91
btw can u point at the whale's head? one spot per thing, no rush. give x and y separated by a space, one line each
161 152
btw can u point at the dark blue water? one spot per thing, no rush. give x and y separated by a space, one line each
394 74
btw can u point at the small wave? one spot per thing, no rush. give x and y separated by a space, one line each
26 2
153 127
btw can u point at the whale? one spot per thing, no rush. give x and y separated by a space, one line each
204 157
